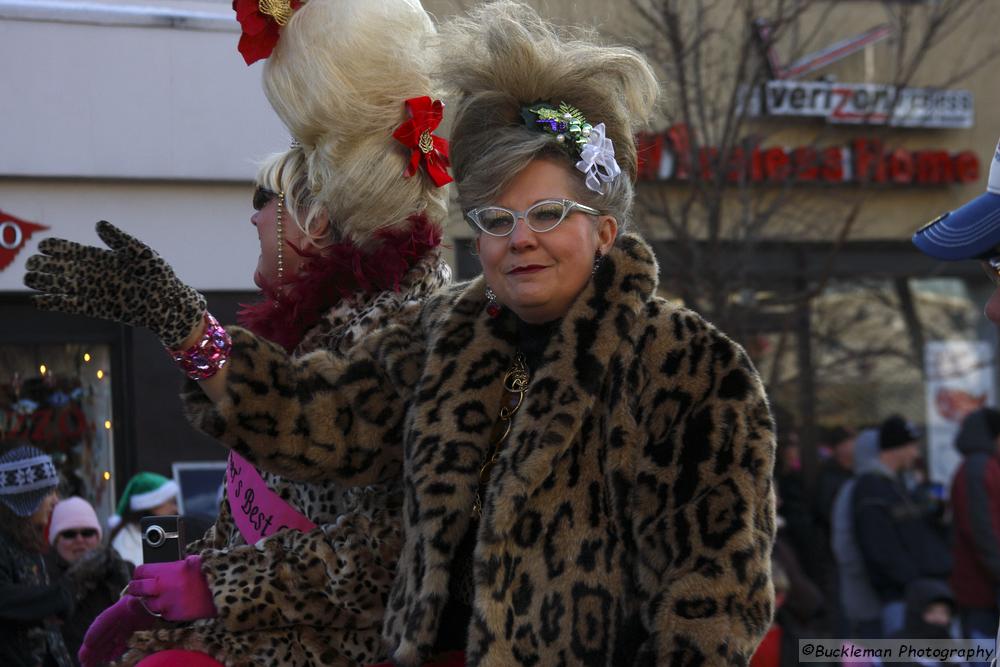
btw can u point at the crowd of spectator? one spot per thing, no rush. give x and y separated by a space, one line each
874 549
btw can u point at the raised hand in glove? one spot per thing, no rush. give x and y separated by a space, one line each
127 282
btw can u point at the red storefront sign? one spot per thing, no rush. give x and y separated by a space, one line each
58 428
14 233
667 157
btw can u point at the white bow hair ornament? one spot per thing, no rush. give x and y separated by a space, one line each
597 160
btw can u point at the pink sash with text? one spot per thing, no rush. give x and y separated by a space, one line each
257 510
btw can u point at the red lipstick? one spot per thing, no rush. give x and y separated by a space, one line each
530 268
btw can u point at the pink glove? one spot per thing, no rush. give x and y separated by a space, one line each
107 637
177 591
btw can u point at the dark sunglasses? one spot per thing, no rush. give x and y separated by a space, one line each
71 534
261 197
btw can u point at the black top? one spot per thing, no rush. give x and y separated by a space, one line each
97 579
29 605
532 339
897 541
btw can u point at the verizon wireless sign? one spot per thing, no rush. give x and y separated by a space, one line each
864 103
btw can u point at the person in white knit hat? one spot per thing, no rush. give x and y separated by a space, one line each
74 530
146 494
97 571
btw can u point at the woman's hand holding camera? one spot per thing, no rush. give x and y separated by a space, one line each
176 591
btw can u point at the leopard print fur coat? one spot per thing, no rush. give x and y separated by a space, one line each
315 598
629 518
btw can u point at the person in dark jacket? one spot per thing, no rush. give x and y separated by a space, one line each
803 599
975 499
930 608
833 473
99 574
860 606
799 526
897 542
971 232
29 602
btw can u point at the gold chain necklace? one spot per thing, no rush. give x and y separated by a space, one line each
515 384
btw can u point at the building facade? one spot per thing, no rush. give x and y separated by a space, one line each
145 115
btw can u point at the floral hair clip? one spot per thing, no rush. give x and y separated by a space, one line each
416 134
261 21
588 143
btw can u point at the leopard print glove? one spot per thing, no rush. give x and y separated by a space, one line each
127 283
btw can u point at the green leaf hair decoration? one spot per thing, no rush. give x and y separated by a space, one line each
589 144
566 122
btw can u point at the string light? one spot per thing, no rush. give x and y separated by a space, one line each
42 369
107 475
86 357
100 375
107 424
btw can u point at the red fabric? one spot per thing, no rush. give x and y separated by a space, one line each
971 582
768 653
179 658
452 659
425 116
260 31
337 272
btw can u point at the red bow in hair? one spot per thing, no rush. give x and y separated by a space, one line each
415 134
261 21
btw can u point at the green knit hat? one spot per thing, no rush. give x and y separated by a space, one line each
144 491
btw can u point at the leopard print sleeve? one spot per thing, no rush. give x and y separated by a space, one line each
309 579
703 516
323 416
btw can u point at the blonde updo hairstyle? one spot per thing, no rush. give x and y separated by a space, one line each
503 56
287 173
338 79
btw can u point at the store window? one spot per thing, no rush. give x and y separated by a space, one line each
58 398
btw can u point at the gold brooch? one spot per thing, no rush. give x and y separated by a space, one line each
279 10
426 143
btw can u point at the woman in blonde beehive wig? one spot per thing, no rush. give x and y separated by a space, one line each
347 240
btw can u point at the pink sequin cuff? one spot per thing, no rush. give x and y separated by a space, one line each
204 359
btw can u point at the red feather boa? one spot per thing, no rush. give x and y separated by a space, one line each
334 273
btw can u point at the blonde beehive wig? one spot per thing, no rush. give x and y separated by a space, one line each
338 78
